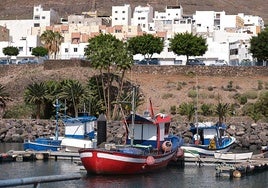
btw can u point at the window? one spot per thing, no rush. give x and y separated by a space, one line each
116 11
36 25
20 49
123 18
66 50
75 49
118 31
123 11
30 49
116 18
43 17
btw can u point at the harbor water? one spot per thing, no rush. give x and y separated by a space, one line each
190 176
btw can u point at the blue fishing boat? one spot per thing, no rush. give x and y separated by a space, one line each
79 133
45 144
208 138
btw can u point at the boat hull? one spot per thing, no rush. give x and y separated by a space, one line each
73 145
101 161
233 156
42 145
196 149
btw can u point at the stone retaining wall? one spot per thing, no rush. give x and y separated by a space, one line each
249 136
230 71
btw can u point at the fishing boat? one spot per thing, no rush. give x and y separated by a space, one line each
45 144
79 133
208 139
148 148
233 156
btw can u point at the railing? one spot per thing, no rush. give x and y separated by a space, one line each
35 181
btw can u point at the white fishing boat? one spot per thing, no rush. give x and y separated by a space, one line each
233 156
79 133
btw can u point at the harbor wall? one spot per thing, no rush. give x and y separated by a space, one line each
250 136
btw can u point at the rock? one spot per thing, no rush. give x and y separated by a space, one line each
240 133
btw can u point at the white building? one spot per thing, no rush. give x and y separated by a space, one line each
121 15
172 21
142 16
20 31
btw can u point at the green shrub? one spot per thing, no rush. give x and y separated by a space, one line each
260 85
210 88
19 112
243 99
173 110
192 93
167 95
206 109
251 94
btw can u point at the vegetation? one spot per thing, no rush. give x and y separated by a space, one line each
258 46
147 45
39 51
4 97
11 51
109 55
187 109
222 110
188 44
52 41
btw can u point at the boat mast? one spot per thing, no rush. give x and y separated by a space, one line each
196 108
133 117
57 105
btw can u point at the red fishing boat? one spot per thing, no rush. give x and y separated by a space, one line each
148 148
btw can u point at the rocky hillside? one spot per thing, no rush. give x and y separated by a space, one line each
165 88
11 9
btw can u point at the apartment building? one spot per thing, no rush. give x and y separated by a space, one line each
227 36
121 15
20 31
142 16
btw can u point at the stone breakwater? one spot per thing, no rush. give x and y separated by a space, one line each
250 136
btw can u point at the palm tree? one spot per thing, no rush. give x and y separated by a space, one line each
222 110
187 109
36 94
52 41
73 91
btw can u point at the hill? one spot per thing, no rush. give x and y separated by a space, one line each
22 9
164 89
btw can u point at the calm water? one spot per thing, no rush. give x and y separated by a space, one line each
191 176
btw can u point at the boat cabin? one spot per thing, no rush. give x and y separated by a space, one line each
207 132
149 131
80 127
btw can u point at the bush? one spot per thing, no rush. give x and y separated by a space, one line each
251 94
173 110
192 93
167 95
243 99
260 85
210 88
19 112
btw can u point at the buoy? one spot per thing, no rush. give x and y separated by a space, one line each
167 146
237 174
39 156
150 160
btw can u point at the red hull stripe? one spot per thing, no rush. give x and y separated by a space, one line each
131 159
